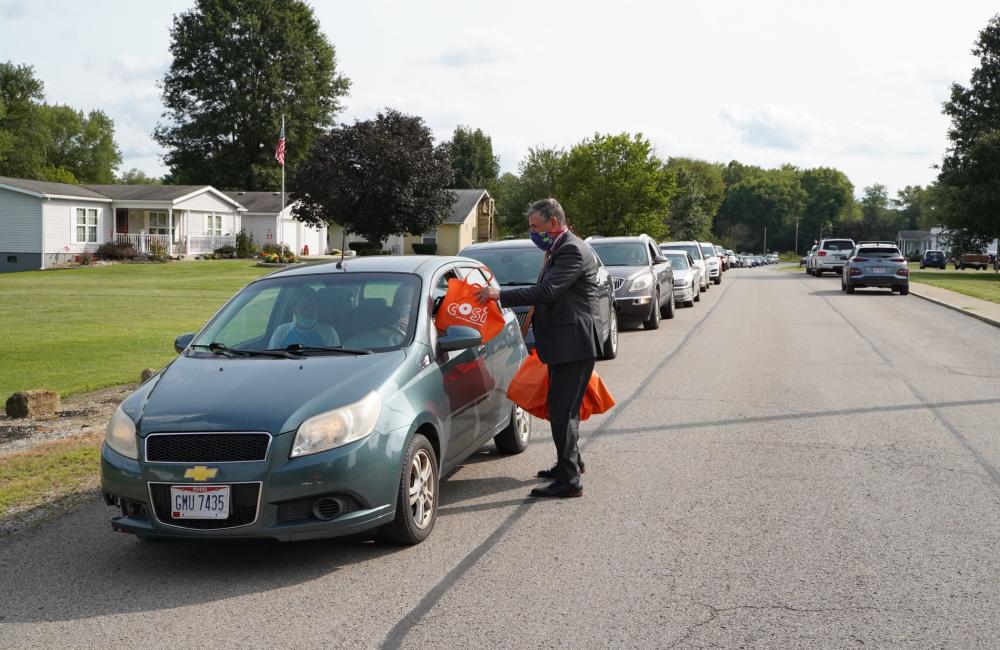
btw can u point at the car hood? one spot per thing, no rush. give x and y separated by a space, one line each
684 274
258 394
627 272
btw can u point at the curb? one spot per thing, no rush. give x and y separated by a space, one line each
985 319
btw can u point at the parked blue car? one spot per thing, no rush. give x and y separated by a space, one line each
319 401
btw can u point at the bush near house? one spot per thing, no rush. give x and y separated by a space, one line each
226 251
116 251
366 247
246 247
425 249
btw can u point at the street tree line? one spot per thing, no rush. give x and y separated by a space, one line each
238 66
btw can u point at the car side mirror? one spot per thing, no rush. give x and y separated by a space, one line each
459 337
182 341
659 259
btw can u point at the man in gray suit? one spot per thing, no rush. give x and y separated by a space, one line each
566 334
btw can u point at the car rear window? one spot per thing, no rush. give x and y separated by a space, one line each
879 252
935 254
512 266
691 248
838 245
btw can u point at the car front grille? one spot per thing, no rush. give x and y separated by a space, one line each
619 283
242 507
206 447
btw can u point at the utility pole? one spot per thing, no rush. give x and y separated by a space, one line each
796 236
765 240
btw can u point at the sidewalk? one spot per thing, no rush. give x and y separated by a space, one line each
984 310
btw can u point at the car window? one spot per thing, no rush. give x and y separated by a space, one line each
441 286
690 248
365 310
653 252
512 266
678 262
838 245
622 253
878 252
708 250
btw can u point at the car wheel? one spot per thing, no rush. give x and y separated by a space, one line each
667 311
697 296
654 317
718 279
610 348
817 273
904 290
849 288
416 499
921 267
515 436
843 285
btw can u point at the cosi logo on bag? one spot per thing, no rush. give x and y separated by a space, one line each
460 306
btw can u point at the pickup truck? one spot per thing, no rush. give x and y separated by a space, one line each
973 260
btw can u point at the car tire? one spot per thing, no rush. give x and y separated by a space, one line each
515 436
849 288
817 273
610 348
697 296
688 303
653 322
404 529
904 290
843 285
921 267
667 311
718 279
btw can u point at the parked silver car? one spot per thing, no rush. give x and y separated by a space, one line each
694 248
687 277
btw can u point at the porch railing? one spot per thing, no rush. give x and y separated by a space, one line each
208 243
144 244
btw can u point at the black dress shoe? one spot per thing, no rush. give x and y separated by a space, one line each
550 473
557 490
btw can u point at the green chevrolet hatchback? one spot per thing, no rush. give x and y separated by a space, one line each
319 401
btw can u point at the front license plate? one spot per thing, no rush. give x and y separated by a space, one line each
879 269
199 501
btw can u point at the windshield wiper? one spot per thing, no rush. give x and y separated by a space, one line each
304 350
224 350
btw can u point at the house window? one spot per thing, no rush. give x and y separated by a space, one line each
12 259
475 234
430 237
85 221
213 224
159 224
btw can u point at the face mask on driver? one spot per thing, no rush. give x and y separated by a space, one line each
304 323
545 240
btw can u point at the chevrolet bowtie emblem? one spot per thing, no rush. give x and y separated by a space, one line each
201 473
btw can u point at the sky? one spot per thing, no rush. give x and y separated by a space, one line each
856 85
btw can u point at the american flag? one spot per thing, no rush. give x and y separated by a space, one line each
279 151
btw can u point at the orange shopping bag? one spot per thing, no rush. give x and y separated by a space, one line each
460 306
529 389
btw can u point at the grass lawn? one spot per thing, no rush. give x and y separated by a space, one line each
76 330
978 284
49 471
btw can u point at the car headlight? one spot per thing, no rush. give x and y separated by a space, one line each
680 282
640 283
120 435
337 427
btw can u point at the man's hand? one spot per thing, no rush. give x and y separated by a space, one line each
488 293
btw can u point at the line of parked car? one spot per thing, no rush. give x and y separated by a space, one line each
860 264
322 400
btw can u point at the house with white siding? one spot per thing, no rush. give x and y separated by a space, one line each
43 224
269 223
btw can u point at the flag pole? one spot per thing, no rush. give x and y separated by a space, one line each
281 227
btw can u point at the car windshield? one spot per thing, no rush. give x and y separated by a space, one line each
678 262
838 245
708 250
621 253
511 266
360 311
690 248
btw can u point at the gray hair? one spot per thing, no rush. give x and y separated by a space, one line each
547 209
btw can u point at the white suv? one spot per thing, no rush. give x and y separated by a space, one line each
713 263
830 255
697 255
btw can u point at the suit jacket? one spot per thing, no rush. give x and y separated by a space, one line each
566 304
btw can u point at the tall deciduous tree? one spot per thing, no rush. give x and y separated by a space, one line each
237 66
829 198
762 199
969 180
615 185
376 178
473 161
538 176
700 191
136 176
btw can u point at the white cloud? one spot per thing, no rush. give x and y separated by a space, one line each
490 46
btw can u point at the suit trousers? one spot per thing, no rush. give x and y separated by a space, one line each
567 386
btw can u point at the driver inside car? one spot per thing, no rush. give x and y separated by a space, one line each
305 328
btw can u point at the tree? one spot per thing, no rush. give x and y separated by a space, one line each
472 159
237 67
51 142
136 176
376 178
762 199
828 203
700 191
970 173
538 175
615 185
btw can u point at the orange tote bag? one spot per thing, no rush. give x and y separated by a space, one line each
460 306
529 389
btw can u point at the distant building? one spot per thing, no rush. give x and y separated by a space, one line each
262 221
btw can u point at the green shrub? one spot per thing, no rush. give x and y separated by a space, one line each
158 251
366 247
226 251
425 249
116 251
277 249
245 245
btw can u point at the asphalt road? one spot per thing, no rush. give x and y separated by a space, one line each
788 466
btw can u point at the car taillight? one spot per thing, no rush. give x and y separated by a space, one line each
898 259
821 253
855 271
860 259
903 272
